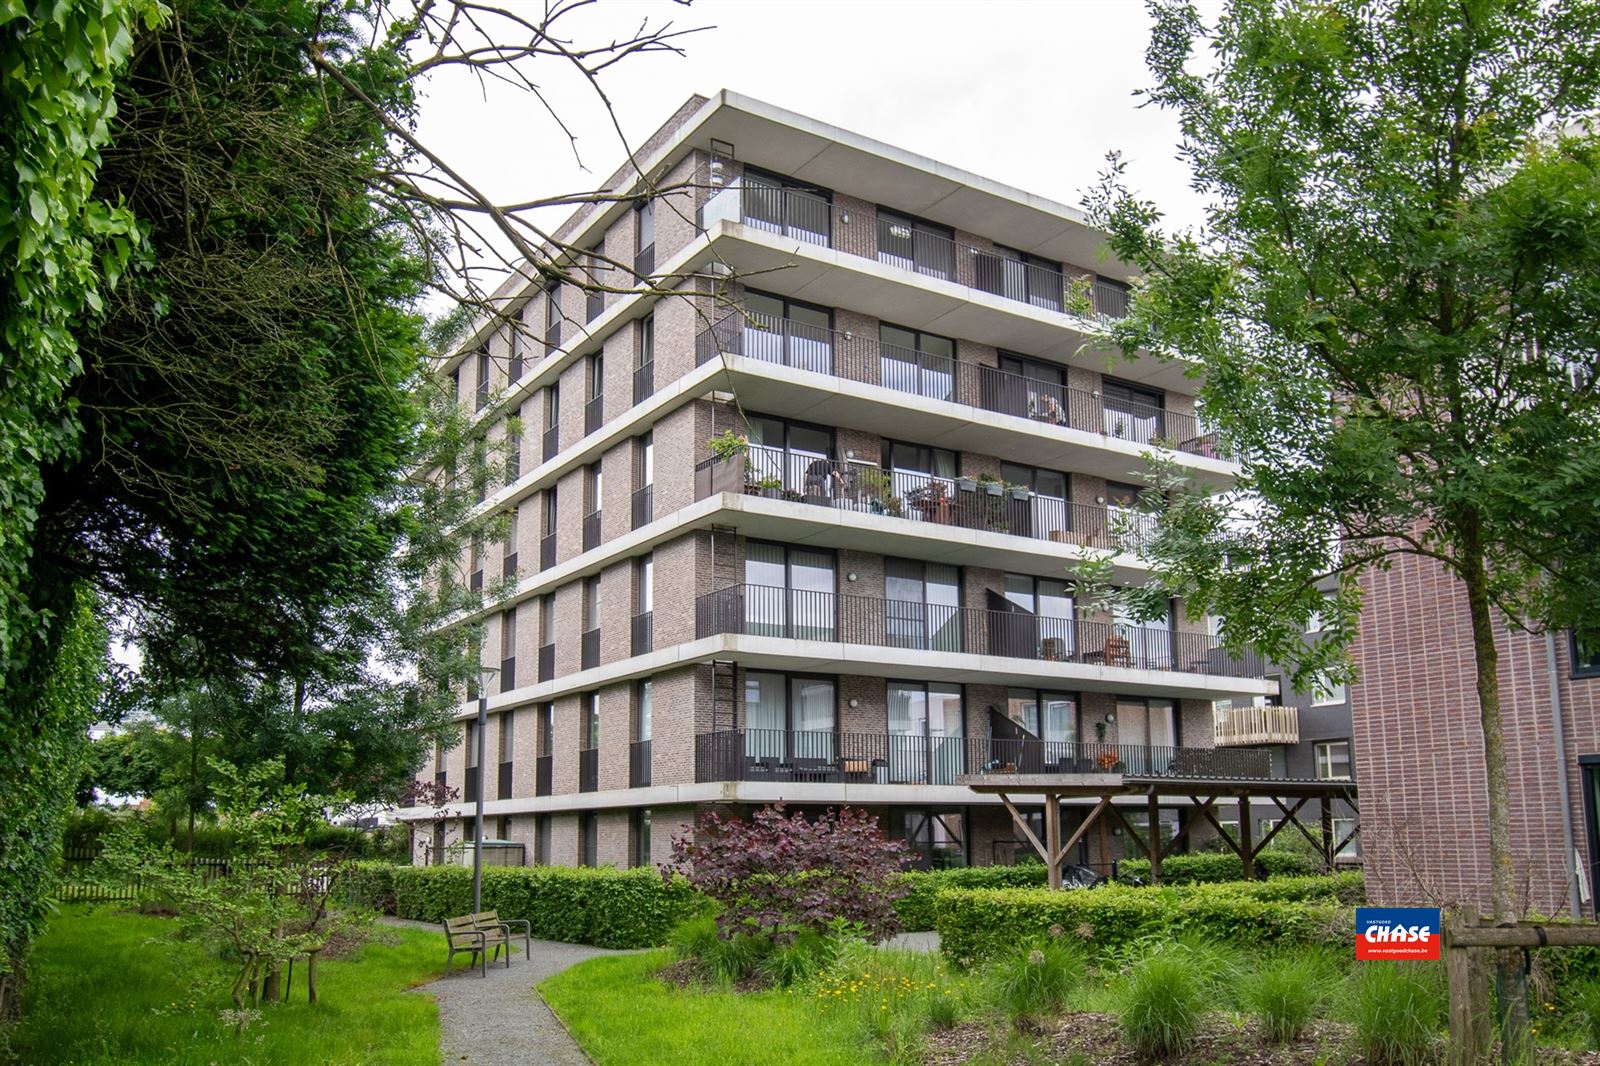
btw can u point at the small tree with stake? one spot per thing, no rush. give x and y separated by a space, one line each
1394 303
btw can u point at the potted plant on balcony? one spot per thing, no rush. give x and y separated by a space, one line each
876 490
991 484
1018 492
725 472
1109 762
966 484
770 487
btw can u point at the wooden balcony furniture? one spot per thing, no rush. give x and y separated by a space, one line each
1115 653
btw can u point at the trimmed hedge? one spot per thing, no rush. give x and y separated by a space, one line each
603 906
976 924
916 910
371 885
1212 867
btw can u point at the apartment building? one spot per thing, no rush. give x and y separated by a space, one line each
801 530
1419 750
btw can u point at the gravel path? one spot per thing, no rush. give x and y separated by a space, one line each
925 941
499 1020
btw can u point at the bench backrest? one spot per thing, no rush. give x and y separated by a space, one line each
466 925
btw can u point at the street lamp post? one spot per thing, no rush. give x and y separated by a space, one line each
484 673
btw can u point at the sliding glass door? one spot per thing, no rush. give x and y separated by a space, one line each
925 732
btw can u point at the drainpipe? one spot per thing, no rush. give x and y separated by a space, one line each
1570 862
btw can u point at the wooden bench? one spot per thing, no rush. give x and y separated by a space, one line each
479 934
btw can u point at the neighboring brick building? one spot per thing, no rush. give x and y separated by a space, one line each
873 597
1419 748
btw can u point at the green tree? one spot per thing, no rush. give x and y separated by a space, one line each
1393 301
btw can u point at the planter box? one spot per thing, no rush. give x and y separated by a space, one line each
721 475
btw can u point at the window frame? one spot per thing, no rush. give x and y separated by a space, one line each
1318 747
1586 666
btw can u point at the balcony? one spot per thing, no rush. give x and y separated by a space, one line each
642 636
794 614
804 216
639 764
1233 727
963 502
589 770
543 775
865 359
780 755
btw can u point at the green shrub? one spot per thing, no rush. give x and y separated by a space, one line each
916 910
1584 999
800 960
1036 977
978 924
736 957
1397 1009
1286 992
1163 1002
579 905
1211 867
370 885
693 937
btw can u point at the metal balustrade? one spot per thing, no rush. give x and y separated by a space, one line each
591 530
504 782
589 649
806 217
782 755
643 637
547 662
547 551
589 770
644 382
643 505
853 485
593 414
865 359
543 775
801 614
639 764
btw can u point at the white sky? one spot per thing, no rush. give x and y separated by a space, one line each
1029 92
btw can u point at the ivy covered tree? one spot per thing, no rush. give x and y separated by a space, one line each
1394 304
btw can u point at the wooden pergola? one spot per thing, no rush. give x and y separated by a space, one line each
1290 797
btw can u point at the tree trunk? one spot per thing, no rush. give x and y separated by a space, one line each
1511 983
194 770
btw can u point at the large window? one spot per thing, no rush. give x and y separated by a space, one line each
641 837
789 718
1147 733
1050 716
1046 512
1142 645
922 605
794 455
1020 276
779 330
936 839
1326 693
1333 760
925 732
1132 413
789 592
1040 623
916 362
642 711
1027 388
791 208
925 247
924 477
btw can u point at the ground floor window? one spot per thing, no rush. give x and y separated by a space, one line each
541 839
437 858
641 837
588 840
936 838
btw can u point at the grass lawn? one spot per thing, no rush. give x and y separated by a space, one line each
624 1018
116 988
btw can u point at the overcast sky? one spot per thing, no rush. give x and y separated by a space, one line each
1033 94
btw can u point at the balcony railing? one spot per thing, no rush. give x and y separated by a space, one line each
590 649
543 775
865 359
781 755
804 216
644 382
469 787
642 636
552 442
594 414
589 770
591 530
797 614
508 565
504 782
547 551
639 764
643 505
547 662
508 673
1243 726
864 487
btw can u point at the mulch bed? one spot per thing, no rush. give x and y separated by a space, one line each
1224 1040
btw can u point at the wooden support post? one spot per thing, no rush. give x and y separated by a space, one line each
1155 839
1469 1000
1052 836
1104 832
1247 855
1077 834
1327 832
1279 824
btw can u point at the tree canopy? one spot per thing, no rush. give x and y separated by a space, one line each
1393 306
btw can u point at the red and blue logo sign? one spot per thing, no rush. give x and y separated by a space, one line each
1405 933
